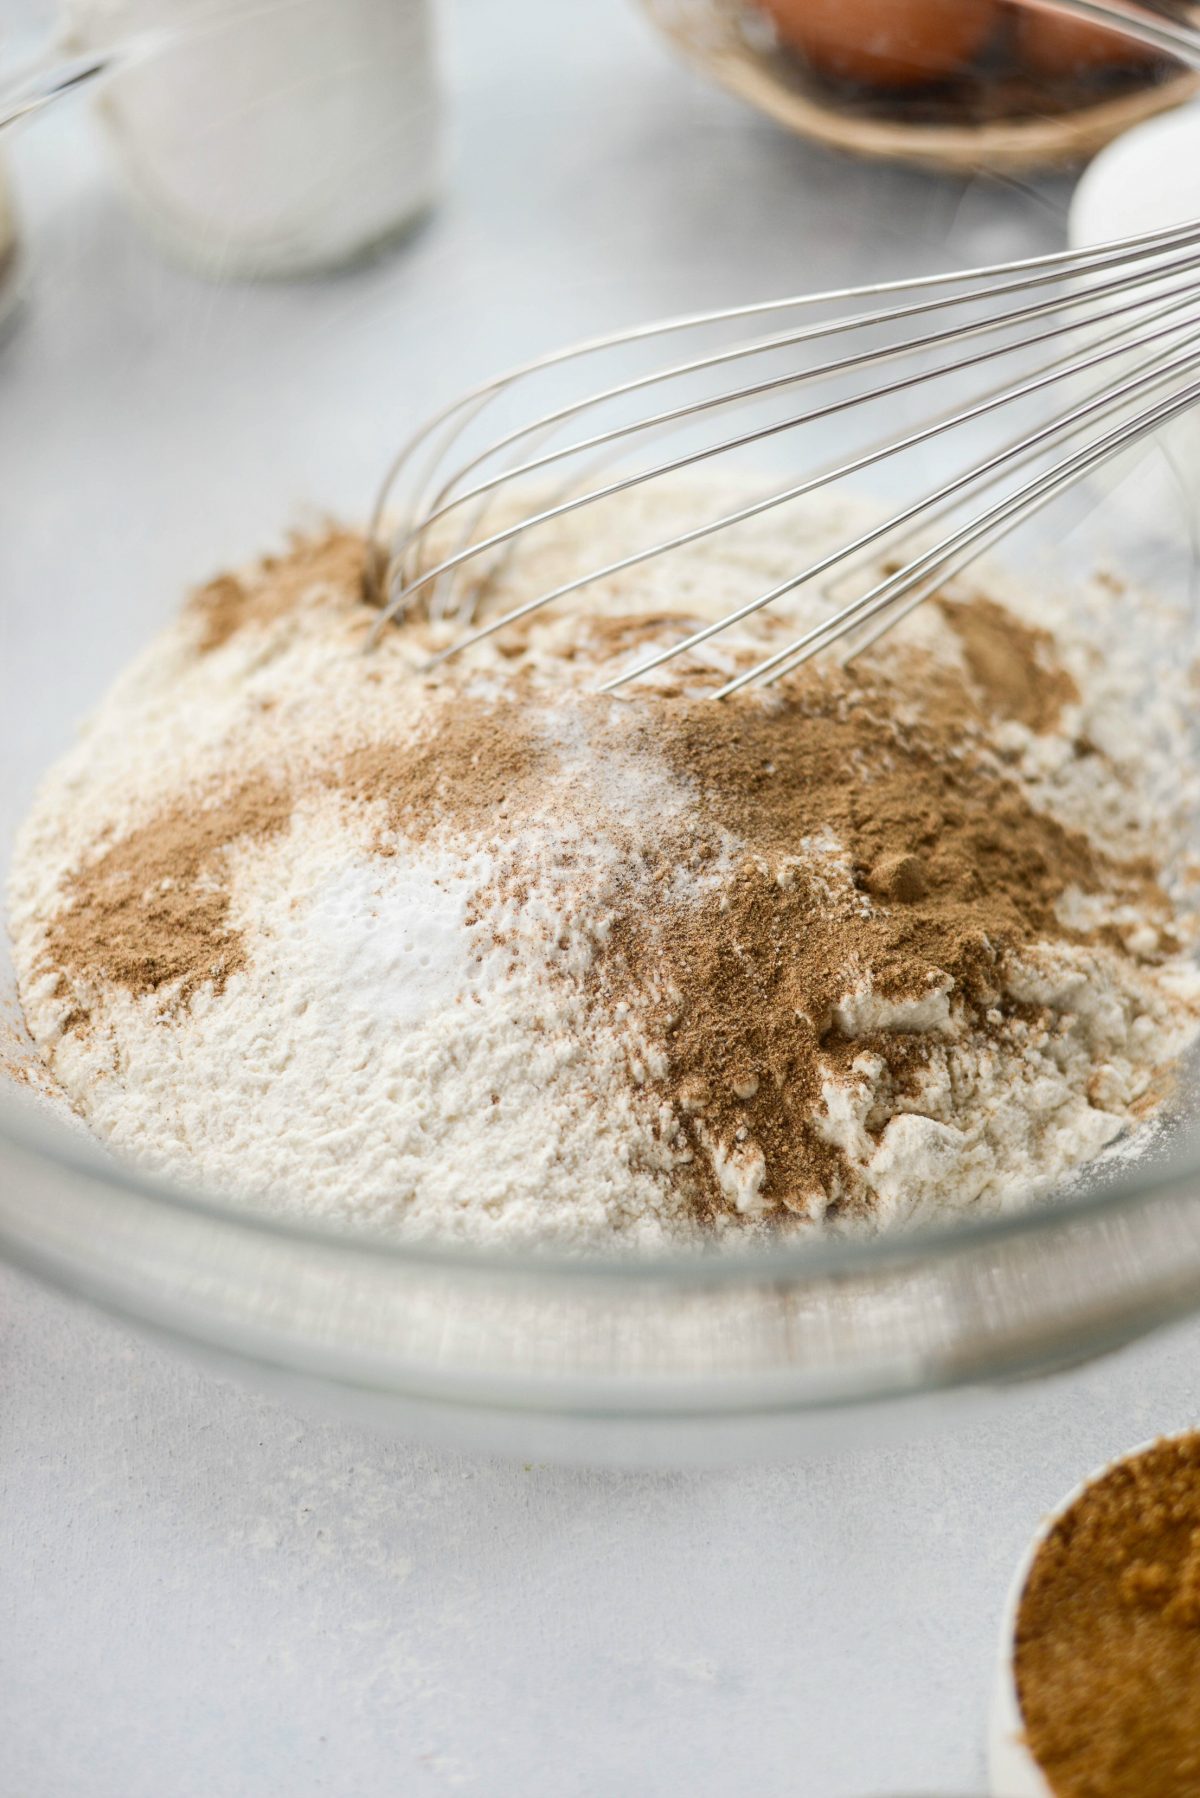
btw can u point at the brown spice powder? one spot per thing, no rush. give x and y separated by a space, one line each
472 763
331 560
953 870
152 911
1108 1634
1011 663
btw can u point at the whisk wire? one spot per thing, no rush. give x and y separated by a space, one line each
1125 316
447 499
1010 457
1003 396
940 561
467 406
397 601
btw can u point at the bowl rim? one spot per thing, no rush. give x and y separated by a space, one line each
705 1264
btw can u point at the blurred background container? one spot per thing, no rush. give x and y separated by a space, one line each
961 84
262 140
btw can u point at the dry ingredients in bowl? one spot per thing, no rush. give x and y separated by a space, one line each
482 953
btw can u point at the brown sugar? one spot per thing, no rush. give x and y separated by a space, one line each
1108 1634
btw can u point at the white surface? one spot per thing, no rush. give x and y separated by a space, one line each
201 1594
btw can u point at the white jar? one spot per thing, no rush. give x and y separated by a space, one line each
273 139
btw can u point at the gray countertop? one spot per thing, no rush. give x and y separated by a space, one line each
204 1594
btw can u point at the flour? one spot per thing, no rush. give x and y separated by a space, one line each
426 1014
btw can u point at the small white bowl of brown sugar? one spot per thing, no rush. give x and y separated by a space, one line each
1100 1647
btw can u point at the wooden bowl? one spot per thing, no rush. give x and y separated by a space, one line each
712 35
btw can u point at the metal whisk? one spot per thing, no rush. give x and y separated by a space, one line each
1036 372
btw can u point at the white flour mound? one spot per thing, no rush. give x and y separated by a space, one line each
407 1049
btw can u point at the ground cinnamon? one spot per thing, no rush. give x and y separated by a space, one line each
1013 664
946 870
151 912
1108 1634
312 566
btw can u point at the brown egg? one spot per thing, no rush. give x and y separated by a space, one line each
885 43
1051 44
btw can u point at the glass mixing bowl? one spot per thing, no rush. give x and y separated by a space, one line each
154 428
